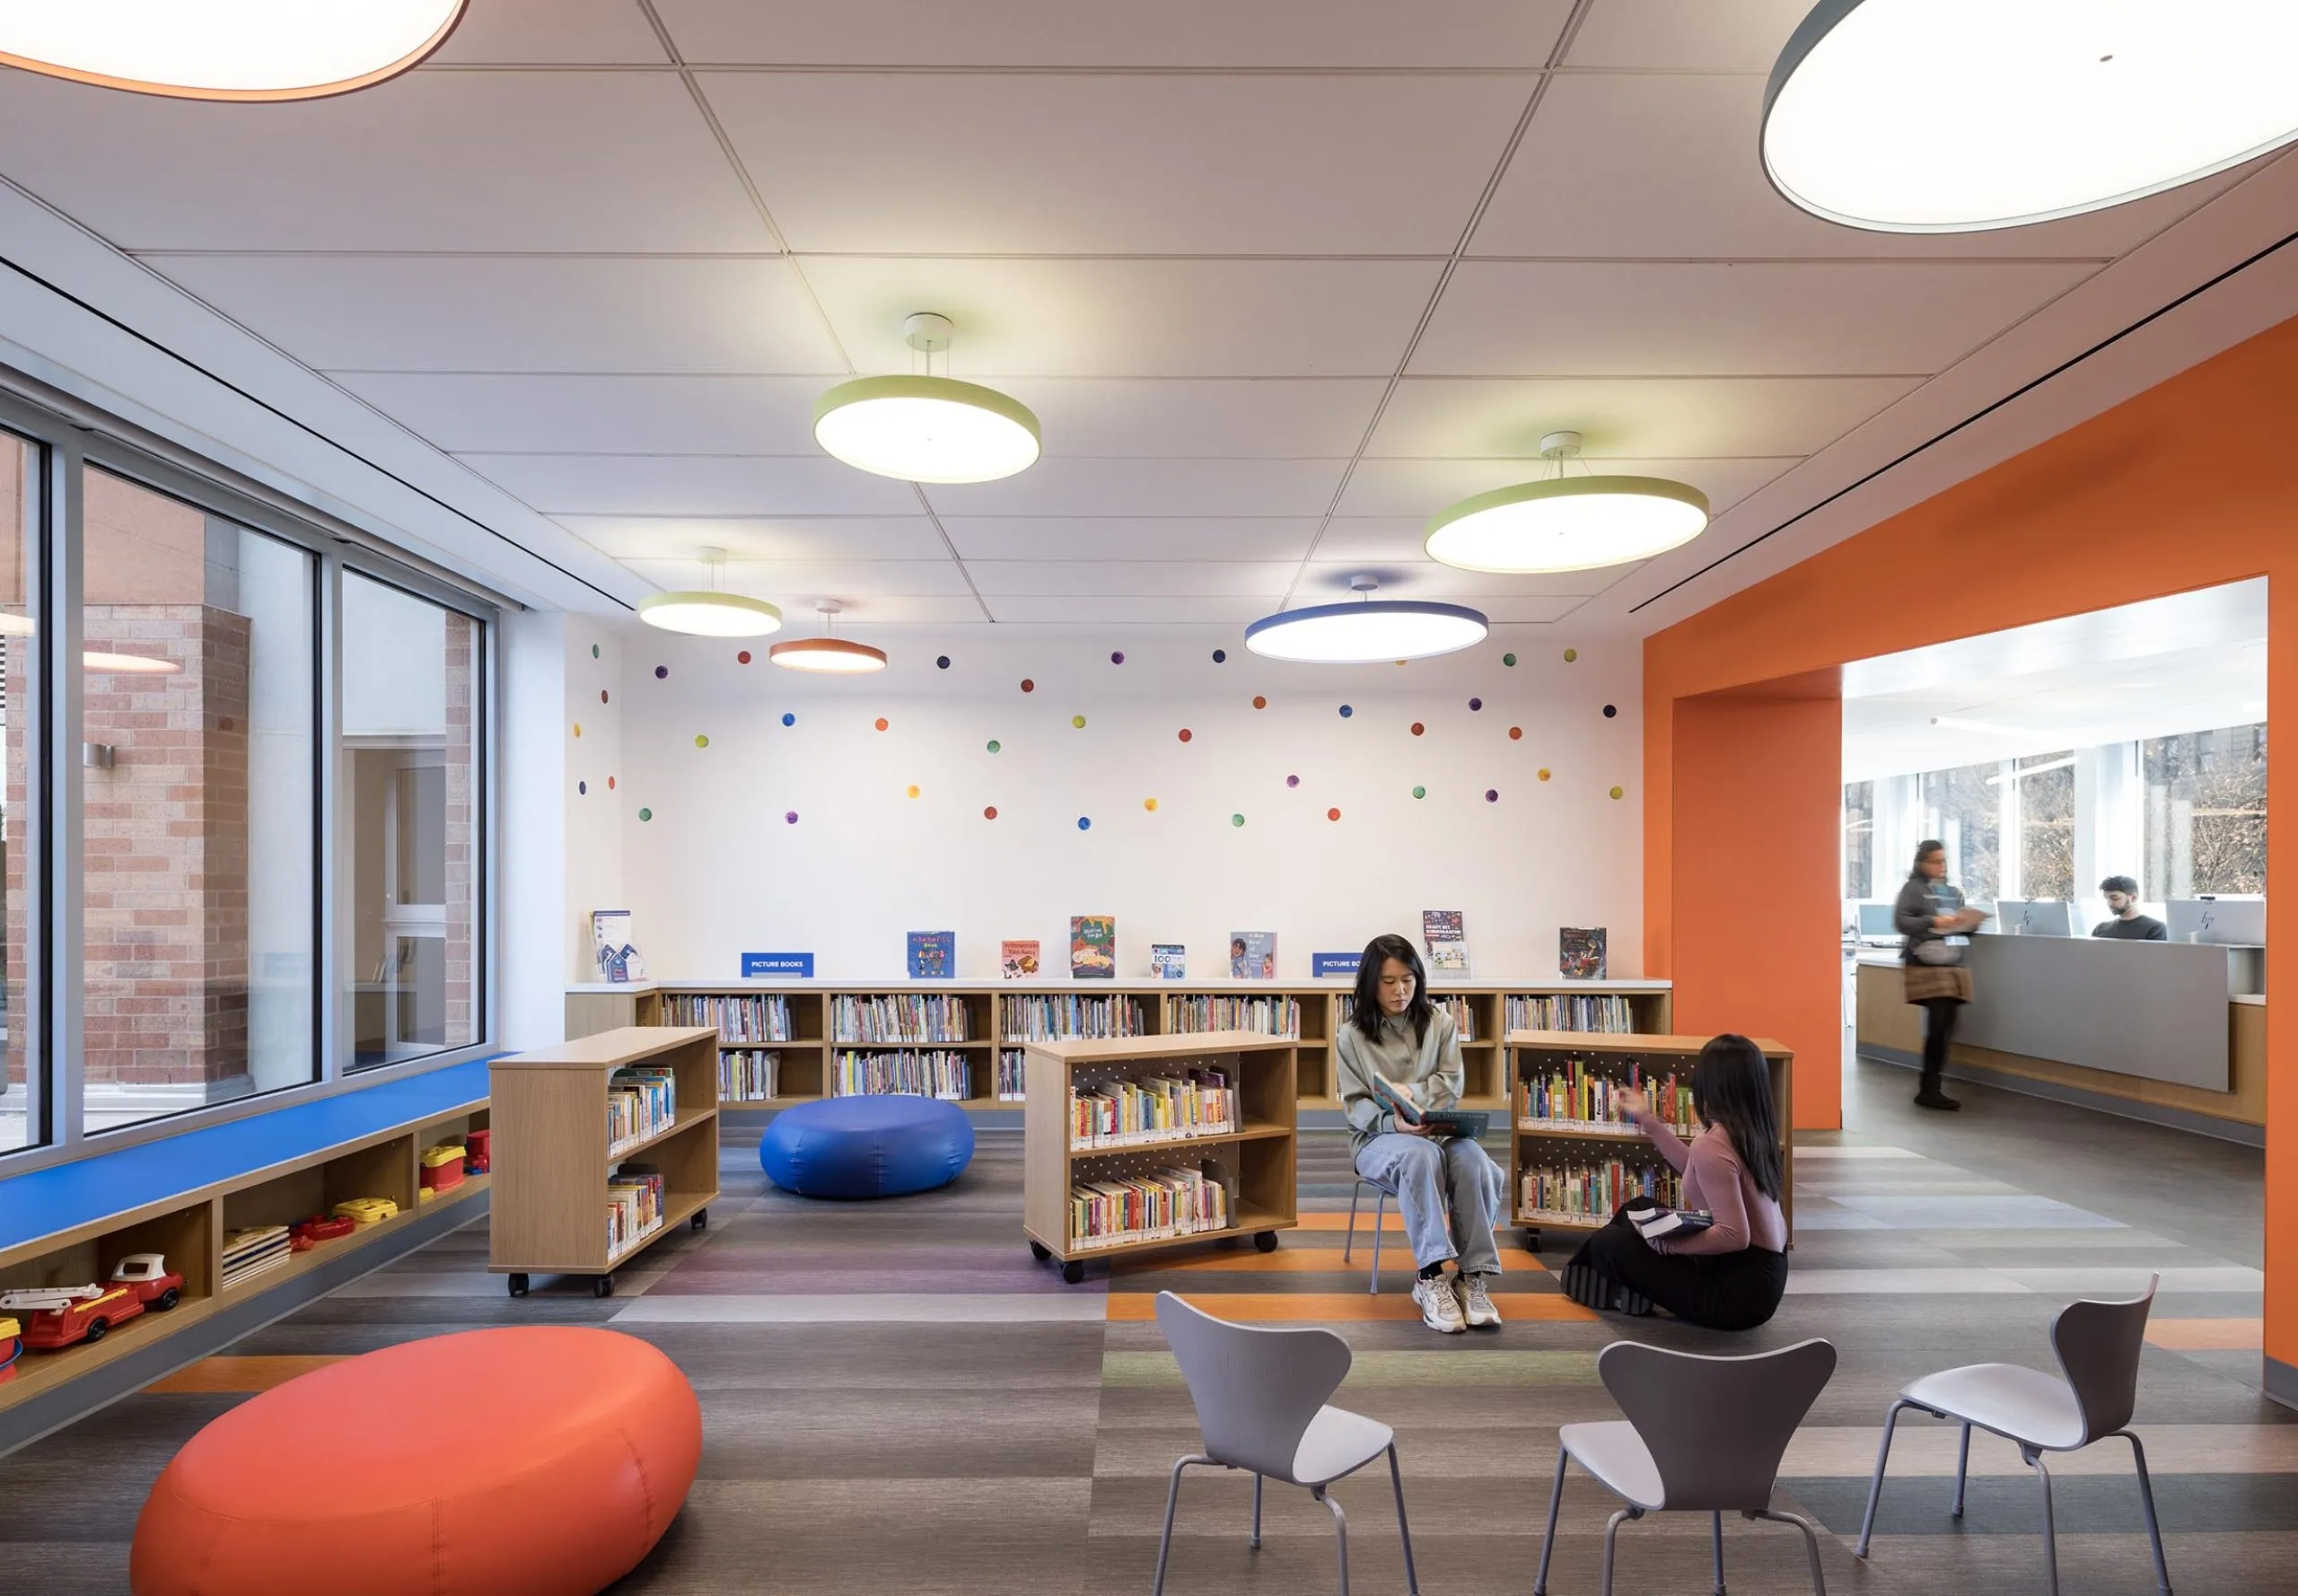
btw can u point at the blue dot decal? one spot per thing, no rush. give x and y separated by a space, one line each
1345 712
789 720
1611 710
1084 822
941 663
582 786
1220 656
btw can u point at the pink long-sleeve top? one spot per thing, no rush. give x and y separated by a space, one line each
1716 1180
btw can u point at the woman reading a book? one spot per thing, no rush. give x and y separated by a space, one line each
1398 1058
1724 1263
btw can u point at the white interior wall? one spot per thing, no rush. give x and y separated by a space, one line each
593 874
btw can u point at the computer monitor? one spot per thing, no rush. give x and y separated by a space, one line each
1875 921
2235 922
2033 916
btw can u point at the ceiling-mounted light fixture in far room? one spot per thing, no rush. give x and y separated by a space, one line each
1567 524
827 655
1960 115
224 50
1367 631
710 613
925 428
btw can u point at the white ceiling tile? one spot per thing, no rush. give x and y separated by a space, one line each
862 615
1664 165
501 313
1743 36
1099 164
1176 417
1373 539
659 485
543 32
515 161
791 538
1423 578
785 582
1156 578
629 415
1131 487
1132 318
1126 611
1421 488
1129 538
1361 33
1521 319
1651 416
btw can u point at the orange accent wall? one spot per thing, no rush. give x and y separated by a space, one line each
2193 483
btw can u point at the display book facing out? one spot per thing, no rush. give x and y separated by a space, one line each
1572 1159
789 1042
602 1147
1136 1144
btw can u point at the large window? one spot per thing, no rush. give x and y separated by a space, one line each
1963 808
2045 794
23 1110
1859 839
2205 814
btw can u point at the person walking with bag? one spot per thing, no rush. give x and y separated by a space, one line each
1930 910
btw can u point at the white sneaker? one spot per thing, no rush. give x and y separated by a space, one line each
1476 1303
1440 1310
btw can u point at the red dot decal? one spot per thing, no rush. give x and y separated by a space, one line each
609 783
1515 733
1332 815
1028 686
743 658
1417 728
882 723
603 695
1259 702
990 813
1185 733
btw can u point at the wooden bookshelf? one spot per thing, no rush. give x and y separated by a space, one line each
1533 1142
552 1155
806 1062
1258 1160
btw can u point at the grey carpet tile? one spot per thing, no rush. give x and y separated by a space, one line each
884 1357
893 1434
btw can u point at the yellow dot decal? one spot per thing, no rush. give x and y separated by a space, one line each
1077 721
1543 772
913 792
1619 793
701 741
1571 654
578 728
1150 805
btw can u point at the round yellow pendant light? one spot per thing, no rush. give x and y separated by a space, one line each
827 655
224 50
710 613
1567 523
925 428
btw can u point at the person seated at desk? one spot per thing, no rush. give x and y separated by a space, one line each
2128 924
1731 1276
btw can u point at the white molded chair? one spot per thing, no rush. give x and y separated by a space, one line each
2091 1399
1261 1406
1703 1435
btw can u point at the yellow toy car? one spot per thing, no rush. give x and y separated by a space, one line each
366 1211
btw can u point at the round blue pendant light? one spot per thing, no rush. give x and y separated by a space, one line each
1366 630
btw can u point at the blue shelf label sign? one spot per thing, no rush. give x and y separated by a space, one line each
799 966
1334 964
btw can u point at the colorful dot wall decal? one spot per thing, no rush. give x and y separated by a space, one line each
1028 686
1185 733
1619 793
1515 733
1571 654
995 745
1332 815
661 673
1346 711
1611 710
701 740
595 651
1118 658
582 786
609 783
1292 781
1259 702
1077 721
743 658
1150 805
1417 728
881 723
1492 794
578 728
1508 660
941 661
1236 820
1084 822
788 719
603 695
1220 656
1420 792
1475 705
1544 773
790 817
645 814
989 813
913 792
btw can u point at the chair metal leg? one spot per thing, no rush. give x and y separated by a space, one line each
1719 1552
1811 1544
1875 1490
1256 1485
1339 1530
1404 1529
1611 1534
2146 1497
1356 1194
1172 1500
1380 1213
1554 1506
2050 1531
1962 1470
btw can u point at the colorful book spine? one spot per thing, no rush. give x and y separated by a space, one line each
1605 1014
1122 1113
1584 1094
746 1075
1590 1193
635 1207
1064 1017
747 1018
1270 1016
1159 1205
899 1018
640 1103
942 1075
1012 1076
1462 1010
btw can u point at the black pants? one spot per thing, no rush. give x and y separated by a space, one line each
1726 1291
1938 1033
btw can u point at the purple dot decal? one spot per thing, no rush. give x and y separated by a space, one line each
788 719
941 661
1118 658
1476 704
1345 712
1220 656
1611 710
661 673
1084 822
1292 781
1492 794
789 817
743 658
582 786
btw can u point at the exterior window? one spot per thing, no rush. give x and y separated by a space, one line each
23 1087
411 841
2206 812
2047 826
1859 839
197 877
1963 809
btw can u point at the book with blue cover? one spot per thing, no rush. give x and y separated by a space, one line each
1252 955
933 955
1168 961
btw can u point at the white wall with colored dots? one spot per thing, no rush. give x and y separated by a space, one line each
759 810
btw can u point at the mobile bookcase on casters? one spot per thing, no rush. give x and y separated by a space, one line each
556 1156
1253 1156
1566 1136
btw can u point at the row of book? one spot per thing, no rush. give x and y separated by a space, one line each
748 1075
1605 1012
249 1252
1270 1016
1063 1017
1012 1076
1156 1206
940 1073
634 1198
898 1017
748 1018
1121 1112
1594 1190
642 1101
1463 1013
1584 1094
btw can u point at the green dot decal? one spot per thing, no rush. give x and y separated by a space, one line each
1420 792
995 745
1508 659
1077 721
595 651
1236 820
1571 654
645 814
701 741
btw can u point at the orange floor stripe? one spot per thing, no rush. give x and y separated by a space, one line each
1337 1307
2208 1334
239 1374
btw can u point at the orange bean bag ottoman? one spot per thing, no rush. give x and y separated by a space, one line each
542 1461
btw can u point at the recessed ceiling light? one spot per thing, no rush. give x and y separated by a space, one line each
827 655
1958 115
1367 631
710 613
925 428
1567 524
224 50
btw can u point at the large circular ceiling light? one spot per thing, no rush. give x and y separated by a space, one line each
1567 524
827 655
224 50
1367 631
710 613
925 428
1958 115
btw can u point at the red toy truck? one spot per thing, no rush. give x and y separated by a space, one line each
66 1315
148 1275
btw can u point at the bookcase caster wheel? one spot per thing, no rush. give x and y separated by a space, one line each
701 1220
1531 1240
1041 1251
1265 1242
602 1287
1073 1271
518 1286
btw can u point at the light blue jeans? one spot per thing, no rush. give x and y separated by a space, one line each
1446 1190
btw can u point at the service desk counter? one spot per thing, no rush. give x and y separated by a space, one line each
2177 1027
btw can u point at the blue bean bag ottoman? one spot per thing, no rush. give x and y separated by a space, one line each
866 1147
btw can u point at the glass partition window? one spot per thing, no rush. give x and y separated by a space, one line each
1859 839
2205 814
409 842
2046 799
1963 808
198 881
22 1084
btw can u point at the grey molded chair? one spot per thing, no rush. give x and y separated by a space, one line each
1260 1405
1380 1208
2098 1346
1703 1435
